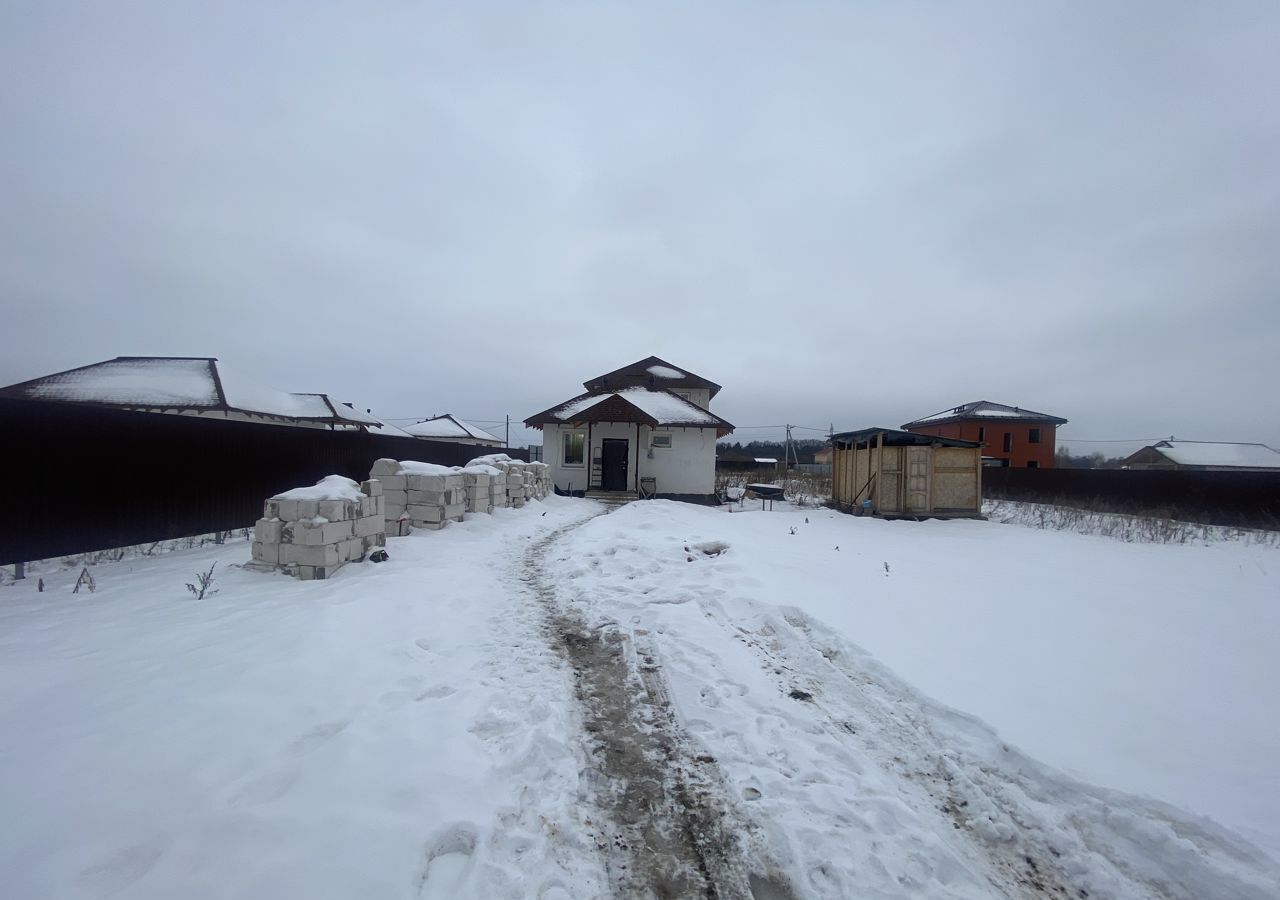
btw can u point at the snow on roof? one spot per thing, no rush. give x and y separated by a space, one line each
130 381
183 383
985 409
765 459
665 372
1213 453
331 487
390 430
663 406
448 426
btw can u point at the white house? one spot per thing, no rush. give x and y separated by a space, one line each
451 428
646 428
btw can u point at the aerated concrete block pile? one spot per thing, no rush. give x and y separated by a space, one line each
542 485
432 495
479 482
395 488
312 532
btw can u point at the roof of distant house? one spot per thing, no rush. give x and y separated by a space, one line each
889 437
655 408
182 384
985 409
1219 454
448 426
651 372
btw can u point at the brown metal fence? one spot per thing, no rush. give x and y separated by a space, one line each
1239 499
81 478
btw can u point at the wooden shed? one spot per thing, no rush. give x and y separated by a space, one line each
906 475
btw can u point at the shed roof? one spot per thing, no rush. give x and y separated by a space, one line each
985 409
1219 454
182 384
651 372
655 408
891 437
449 426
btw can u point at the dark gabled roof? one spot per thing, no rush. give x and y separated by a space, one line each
651 372
985 410
655 408
890 437
182 384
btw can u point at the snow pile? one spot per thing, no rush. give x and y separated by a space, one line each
420 495
312 532
331 487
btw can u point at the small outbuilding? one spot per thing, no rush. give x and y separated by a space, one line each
898 474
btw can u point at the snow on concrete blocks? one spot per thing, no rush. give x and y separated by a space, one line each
313 531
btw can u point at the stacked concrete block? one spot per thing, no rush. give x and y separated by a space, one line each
498 489
312 532
516 494
479 480
436 495
542 485
395 488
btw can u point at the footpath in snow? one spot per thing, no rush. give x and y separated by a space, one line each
663 700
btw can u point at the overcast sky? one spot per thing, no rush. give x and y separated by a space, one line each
856 213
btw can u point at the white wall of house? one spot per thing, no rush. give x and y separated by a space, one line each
688 466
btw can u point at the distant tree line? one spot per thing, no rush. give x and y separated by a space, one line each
1065 459
804 449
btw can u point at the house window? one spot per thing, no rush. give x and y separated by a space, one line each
660 441
982 434
574 448
683 395
1033 435
1033 464
1008 442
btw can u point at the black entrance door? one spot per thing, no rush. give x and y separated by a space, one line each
613 464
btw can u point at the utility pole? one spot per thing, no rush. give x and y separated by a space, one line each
508 441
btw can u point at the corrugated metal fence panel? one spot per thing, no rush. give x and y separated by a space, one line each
1242 499
84 478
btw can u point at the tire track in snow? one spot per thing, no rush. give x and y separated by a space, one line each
984 803
672 830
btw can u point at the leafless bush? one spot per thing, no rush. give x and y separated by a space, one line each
203 583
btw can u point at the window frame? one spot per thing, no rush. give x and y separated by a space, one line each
1008 442
665 435
564 449
1033 435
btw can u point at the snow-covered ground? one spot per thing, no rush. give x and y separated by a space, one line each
413 729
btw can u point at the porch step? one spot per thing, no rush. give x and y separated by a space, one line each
616 498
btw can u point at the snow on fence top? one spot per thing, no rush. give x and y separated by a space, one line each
331 487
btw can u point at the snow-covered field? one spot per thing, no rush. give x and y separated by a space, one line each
414 729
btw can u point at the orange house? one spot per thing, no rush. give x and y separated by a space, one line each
1010 435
